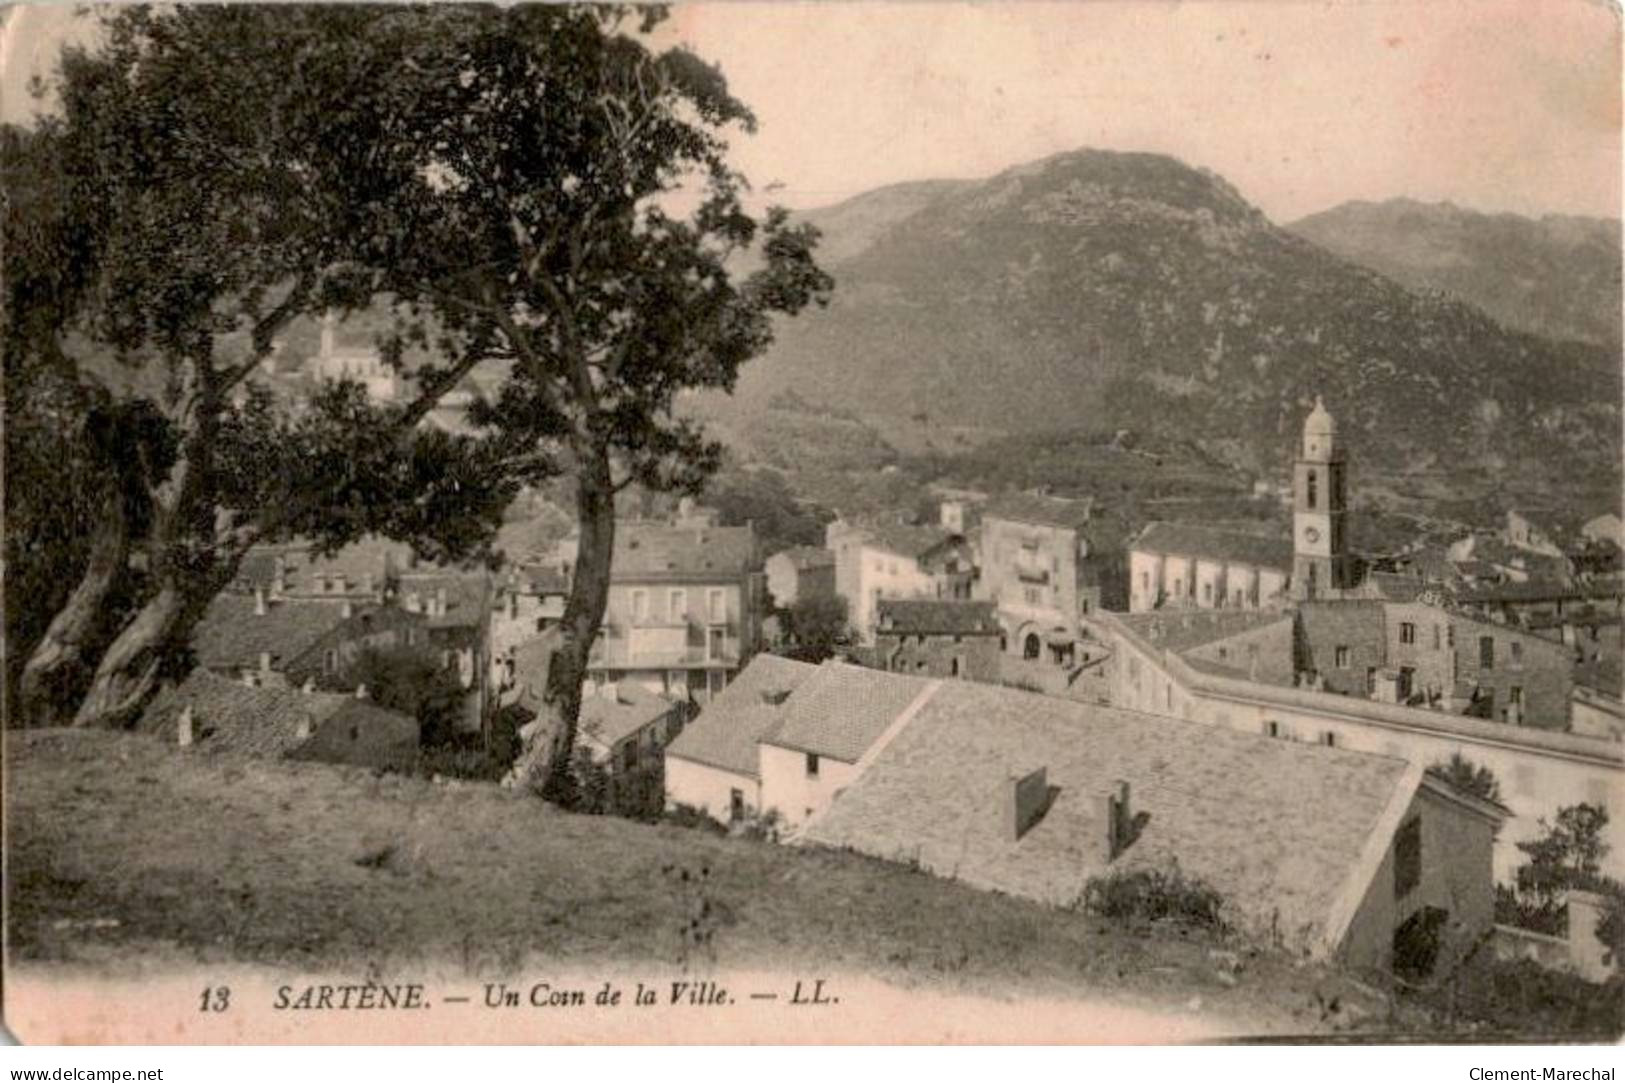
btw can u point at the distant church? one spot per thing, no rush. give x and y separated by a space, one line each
1321 562
1183 565
363 364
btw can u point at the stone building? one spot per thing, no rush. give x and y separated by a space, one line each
1034 553
896 560
939 639
1198 667
684 610
802 571
1036 796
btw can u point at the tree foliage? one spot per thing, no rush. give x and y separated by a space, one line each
500 182
1566 857
409 681
817 626
1468 777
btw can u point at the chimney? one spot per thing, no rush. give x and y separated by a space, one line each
1022 802
259 601
304 726
360 691
440 601
183 728
346 610
265 663
1116 819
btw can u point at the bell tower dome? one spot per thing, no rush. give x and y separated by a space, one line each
1321 563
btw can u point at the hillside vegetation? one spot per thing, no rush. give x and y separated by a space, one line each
125 851
1106 290
1557 276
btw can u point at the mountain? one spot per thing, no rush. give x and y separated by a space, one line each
1108 290
1557 276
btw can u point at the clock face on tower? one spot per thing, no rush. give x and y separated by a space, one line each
1311 535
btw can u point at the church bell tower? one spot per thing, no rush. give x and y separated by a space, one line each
1320 563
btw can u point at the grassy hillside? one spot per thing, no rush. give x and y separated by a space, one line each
124 850
128 855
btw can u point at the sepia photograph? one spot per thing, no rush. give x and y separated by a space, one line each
828 524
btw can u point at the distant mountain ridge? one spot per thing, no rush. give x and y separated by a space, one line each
1102 289
1558 275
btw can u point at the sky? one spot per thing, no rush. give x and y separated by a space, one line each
1493 105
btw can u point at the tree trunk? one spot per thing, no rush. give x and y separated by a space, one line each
50 680
550 754
127 675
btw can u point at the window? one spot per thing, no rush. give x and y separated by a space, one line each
812 765
1486 652
1435 637
736 805
330 662
1207 592
1517 652
1341 657
1030 595
716 606
1145 581
1329 739
677 601
1407 632
640 605
1407 858
1179 588
1224 653
1450 636
1313 482
1515 695
1272 729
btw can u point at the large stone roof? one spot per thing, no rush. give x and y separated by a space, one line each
232 635
657 552
1208 543
1248 815
1183 629
842 710
907 616
610 720
727 729
1039 510
230 716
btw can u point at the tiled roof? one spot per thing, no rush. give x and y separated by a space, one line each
231 716
841 710
542 579
1193 540
660 551
1246 814
727 729
610 721
231 635
467 596
1042 510
802 557
911 617
1182 629
363 734
905 540
1535 590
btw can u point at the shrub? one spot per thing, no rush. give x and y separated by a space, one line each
1155 895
